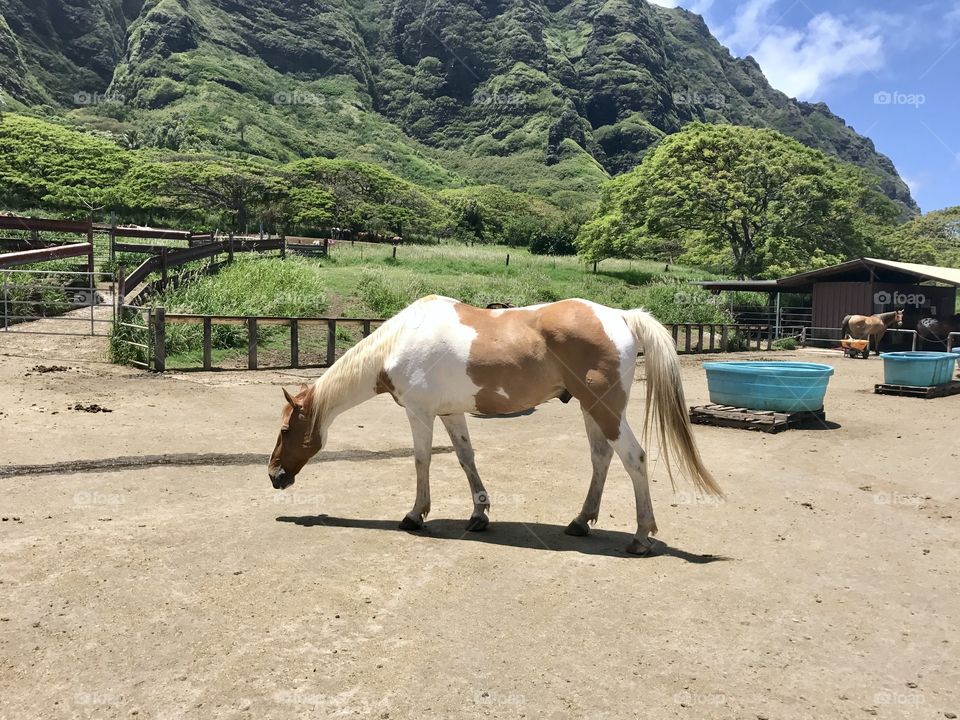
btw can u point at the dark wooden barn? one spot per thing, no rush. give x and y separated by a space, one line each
864 286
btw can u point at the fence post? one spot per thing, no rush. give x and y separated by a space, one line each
251 343
163 267
366 328
687 330
160 339
803 336
326 247
723 339
121 286
508 259
230 249
283 246
331 341
294 343
207 342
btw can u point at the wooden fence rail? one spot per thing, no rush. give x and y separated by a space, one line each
718 337
161 318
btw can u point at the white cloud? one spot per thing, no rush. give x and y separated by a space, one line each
802 61
912 183
698 6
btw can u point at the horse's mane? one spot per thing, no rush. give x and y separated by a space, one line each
361 363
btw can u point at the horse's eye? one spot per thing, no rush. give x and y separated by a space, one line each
284 431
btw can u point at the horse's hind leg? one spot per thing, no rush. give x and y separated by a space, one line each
601 453
456 426
421 425
634 459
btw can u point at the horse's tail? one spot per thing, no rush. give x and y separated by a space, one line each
665 401
845 327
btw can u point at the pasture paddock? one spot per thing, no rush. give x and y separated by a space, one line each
165 577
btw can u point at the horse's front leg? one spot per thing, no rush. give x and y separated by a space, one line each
456 426
421 424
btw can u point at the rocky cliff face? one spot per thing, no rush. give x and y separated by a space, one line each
474 84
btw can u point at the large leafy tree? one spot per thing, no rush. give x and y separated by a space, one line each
932 239
741 200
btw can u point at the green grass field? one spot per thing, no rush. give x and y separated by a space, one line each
364 280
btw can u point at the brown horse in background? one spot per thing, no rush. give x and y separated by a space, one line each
870 327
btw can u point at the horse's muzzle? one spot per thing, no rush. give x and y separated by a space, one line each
281 479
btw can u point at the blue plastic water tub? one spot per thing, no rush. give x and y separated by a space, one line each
781 386
920 369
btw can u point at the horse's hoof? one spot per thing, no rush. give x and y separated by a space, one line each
410 525
478 524
577 529
641 548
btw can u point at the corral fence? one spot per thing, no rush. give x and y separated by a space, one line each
721 338
153 323
150 328
831 336
25 241
68 302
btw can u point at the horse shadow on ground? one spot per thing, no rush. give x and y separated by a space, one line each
531 535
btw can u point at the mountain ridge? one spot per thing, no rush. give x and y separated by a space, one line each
544 96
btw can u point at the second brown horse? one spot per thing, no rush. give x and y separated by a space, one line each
871 327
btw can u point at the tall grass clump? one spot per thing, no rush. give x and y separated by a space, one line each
250 286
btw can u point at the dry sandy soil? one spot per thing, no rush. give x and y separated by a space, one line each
164 578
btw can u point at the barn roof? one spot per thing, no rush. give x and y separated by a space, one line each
859 270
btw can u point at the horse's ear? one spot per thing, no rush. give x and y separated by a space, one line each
303 388
289 397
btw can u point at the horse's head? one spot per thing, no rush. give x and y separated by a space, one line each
898 318
299 439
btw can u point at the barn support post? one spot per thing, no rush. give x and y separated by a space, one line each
778 327
159 339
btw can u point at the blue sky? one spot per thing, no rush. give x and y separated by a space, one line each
891 69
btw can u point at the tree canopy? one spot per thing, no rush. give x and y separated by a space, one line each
931 239
747 201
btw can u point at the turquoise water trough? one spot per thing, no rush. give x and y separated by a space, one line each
780 386
917 368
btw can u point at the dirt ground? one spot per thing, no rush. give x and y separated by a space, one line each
150 570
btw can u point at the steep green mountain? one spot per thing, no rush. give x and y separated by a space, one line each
542 96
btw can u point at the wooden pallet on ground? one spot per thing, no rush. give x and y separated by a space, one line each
767 421
920 391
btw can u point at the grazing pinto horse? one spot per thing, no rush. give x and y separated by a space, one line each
442 357
870 327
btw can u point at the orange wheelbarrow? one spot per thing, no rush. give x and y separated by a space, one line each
855 348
